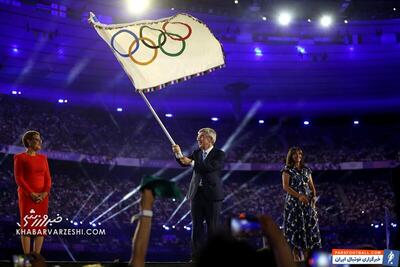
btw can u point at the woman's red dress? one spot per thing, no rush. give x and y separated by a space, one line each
32 175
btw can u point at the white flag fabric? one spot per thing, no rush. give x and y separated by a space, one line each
155 53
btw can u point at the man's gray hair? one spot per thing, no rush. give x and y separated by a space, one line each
210 132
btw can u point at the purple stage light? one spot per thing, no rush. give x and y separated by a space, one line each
15 50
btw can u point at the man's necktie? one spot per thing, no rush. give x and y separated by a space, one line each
204 155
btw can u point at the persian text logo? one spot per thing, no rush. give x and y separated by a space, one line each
36 220
356 256
36 224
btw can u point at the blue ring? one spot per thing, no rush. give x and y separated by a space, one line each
131 33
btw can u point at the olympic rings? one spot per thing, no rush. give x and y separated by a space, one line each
181 38
171 54
161 41
161 33
115 35
140 62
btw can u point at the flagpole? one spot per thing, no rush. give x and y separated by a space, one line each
157 118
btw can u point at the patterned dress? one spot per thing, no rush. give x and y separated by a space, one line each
300 220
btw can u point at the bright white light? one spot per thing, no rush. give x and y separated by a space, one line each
372 225
119 109
264 18
137 6
65 100
323 260
99 223
356 122
19 92
165 227
13 92
168 115
394 9
326 21
284 18
75 223
80 222
258 51
346 21
173 226
172 8
93 224
214 119
376 225
309 20
261 121
301 50
236 2
60 100
306 122
173 199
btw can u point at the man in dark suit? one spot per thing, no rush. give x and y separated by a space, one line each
205 190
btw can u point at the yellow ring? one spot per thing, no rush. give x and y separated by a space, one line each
145 62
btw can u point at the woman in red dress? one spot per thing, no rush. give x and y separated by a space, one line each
32 175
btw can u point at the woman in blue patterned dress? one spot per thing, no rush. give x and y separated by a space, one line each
300 215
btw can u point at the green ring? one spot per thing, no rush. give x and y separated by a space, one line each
172 54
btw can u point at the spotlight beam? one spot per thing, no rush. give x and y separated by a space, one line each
84 204
236 165
239 202
101 203
241 187
120 211
176 211
182 218
134 191
250 114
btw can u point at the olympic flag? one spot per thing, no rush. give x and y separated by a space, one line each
156 53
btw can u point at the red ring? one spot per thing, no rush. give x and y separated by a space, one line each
174 38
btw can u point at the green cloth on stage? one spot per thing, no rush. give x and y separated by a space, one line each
161 187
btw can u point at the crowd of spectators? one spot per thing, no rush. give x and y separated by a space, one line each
347 207
100 132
